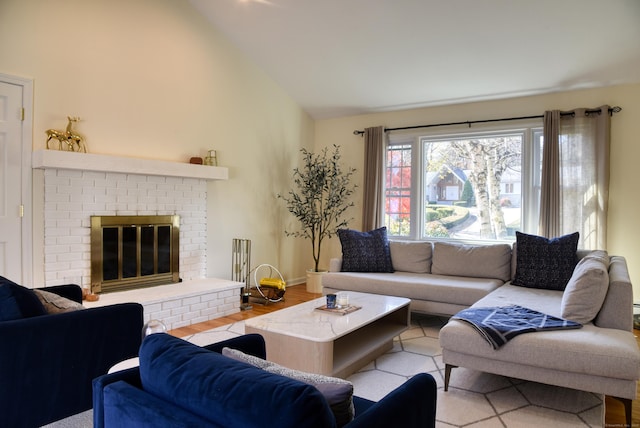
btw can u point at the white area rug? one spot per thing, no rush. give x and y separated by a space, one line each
474 399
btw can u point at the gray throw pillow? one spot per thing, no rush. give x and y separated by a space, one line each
586 290
338 392
55 304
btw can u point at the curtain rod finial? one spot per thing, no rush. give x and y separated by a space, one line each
360 133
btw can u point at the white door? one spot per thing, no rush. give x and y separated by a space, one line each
11 181
453 193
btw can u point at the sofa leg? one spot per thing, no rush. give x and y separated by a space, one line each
627 409
447 375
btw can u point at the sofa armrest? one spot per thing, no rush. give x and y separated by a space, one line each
617 309
48 362
252 344
69 291
128 406
413 404
130 376
335 264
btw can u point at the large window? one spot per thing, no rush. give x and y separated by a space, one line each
467 186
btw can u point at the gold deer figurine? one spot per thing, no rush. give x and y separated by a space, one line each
74 142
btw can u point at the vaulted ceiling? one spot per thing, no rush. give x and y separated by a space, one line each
345 57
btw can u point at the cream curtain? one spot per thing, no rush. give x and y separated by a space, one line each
373 181
575 175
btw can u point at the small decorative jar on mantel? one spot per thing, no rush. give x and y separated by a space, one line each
211 159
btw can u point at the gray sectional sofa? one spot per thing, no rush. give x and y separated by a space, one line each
440 278
444 278
600 357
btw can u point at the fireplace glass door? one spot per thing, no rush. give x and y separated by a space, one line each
133 251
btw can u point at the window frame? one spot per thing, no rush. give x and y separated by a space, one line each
531 131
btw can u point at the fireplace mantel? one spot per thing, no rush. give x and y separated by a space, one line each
43 159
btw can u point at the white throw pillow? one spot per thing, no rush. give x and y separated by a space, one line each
586 290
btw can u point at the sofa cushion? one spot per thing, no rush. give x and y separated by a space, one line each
26 299
476 261
226 391
9 309
455 290
338 392
411 256
587 288
55 304
365 251
545 263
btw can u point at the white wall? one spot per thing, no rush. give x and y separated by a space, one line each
152 79
624 204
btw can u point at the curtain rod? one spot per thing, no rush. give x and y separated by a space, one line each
612 110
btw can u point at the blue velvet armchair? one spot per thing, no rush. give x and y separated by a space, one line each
179 384
48 361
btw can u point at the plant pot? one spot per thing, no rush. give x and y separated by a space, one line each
314 281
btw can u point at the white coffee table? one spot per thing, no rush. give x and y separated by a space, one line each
303 338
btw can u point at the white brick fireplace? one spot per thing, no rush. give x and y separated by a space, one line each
79 185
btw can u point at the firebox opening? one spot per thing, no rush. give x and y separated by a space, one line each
133 251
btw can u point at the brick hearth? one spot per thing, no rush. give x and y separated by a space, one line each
183 304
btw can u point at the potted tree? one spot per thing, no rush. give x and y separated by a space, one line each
319 199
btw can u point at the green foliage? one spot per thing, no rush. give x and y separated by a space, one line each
400 227
431 214
458 217
320 197
445 211
467 194
440 218
435 229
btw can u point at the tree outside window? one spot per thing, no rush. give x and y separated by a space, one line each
471 187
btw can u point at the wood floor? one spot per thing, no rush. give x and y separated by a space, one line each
297 294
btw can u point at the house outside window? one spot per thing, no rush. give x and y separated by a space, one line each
471 186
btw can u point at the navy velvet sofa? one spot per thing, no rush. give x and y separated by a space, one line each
48 361
179 384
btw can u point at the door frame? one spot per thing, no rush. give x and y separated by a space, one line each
26 181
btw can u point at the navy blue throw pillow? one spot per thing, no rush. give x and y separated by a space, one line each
28 303
545 263
9 309
365 251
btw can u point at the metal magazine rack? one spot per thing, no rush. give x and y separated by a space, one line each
271 285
